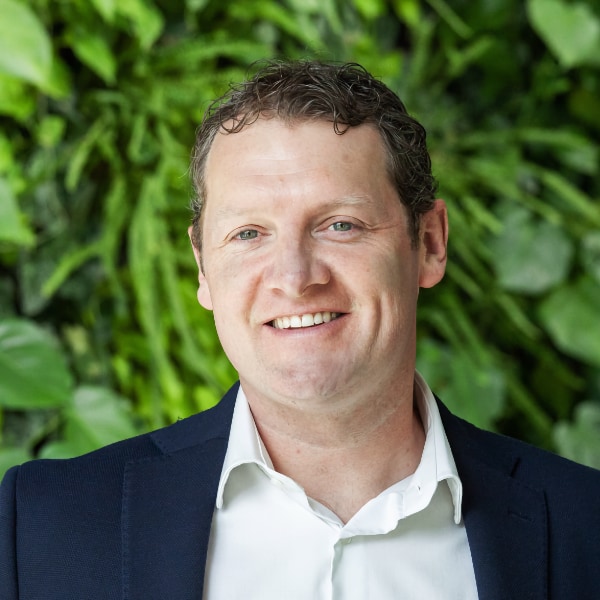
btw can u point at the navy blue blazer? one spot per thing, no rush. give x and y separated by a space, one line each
132 521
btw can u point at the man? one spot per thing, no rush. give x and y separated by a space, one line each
331 471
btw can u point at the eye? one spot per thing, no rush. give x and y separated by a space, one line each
341 226
247 234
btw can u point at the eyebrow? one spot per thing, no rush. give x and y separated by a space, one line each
350 200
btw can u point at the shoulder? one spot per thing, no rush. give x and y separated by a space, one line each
56 483
521 461
103 468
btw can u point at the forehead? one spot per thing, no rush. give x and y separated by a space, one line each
272 147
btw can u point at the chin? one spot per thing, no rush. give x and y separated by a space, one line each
298 387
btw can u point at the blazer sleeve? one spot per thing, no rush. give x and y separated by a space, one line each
8 536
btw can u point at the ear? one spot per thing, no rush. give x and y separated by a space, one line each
203 293
433 238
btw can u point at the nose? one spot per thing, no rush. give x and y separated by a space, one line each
295 266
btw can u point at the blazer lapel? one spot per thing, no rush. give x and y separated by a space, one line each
506 520
168 504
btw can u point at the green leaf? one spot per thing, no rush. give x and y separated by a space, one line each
16 100
146 19
144 247
69 263
205 397
82 152
60 82
94 51
409 11
447 13
51 130
473 387
96 417
196 5
572 319
25 47
580 440
9 457
530 257
12 224
100 416
590 246
570 30
7 160
106 9
296 26
577 151
574 199
33 370
61 449
370 9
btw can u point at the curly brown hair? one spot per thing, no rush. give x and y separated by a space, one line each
344 94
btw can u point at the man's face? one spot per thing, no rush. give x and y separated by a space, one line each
308 264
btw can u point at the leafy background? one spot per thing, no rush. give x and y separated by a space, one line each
101 336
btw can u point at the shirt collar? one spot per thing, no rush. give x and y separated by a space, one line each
437 462
436 465
245 445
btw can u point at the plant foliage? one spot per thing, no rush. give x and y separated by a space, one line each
100 332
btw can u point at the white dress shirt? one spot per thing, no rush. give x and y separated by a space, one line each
269 541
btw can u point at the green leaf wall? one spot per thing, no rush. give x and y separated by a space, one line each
101 336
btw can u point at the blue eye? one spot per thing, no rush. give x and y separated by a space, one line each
341 226
247 234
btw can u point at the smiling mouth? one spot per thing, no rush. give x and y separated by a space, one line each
306 320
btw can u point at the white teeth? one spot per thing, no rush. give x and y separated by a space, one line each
307 320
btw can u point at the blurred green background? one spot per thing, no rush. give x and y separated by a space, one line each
101 336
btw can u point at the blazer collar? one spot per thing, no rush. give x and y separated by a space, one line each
506 520
168 503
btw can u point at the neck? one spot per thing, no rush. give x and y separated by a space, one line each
343 459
